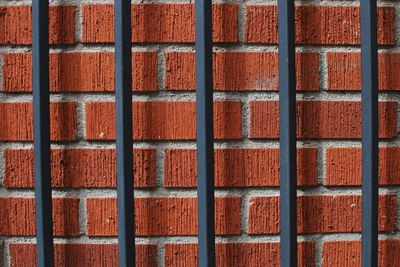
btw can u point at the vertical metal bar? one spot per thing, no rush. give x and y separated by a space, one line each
41 124
369 66
124 143
205 134
287 141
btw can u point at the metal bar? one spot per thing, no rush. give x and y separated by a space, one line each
205 133
369 66
124 143
41 139
287 141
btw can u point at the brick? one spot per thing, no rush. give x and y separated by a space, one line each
343 166
241 71
321 119
320 214
17 121
163 120
329 25
238 167
348 253
159 23
168 216
79 72
82 255
344 71
17 216
16 25
76 168
238 254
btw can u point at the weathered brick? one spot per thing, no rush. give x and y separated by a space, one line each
17 121
16 25
82 255
75 168
166 216
320 214
344 71
154 23
332 25
163 120
238 167
241 71
321 119
17 216
79 72
238 254
348 253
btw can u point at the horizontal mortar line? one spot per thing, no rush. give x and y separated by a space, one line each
318 190
245 238
189 95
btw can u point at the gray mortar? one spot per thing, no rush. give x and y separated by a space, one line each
162 95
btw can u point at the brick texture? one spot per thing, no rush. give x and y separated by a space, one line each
79 72
77 168
159 23
348 253
162 216
238 254
320 214
17 121
321 119
238 167
344 71
163 120
16 25
17 216
82 255
245 70
343 166
241 71
325 25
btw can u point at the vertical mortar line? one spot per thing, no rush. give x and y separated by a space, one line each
124 138
369 95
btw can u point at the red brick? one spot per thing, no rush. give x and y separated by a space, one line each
163 120
154 23
238 167
79 72
321 119
82 255
16 25
76 168
238 254
343 166
17 121
162 216
241 71
344 71
17 216
348 253
320 214
337 25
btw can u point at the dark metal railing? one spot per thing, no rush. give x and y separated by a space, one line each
41 138
205 133
123 107
369 73
287 127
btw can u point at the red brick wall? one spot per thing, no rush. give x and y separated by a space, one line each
246 123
